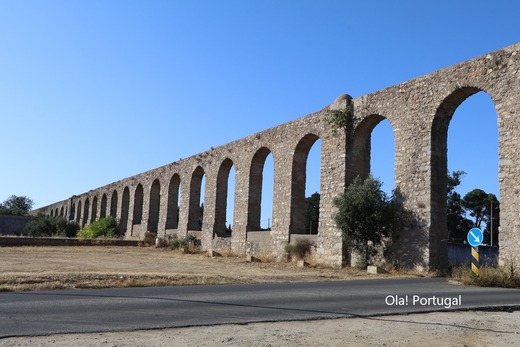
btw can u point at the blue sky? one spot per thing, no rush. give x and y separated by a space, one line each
95 91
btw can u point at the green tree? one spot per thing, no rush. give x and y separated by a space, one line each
365 217
483 206
312 213
458 224
46 226
475 203
16 205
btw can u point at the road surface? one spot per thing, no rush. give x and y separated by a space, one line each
102 310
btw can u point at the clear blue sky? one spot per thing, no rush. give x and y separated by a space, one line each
95 91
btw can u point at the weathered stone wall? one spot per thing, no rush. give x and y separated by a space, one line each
419 112
13 225
17 241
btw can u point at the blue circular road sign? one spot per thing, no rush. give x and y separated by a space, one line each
475 237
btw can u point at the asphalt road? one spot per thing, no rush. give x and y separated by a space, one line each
97 310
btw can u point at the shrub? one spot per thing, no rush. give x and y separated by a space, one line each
506 277
46 226
71 229
342 119
104 227
188 241
162 242
149 237
300 249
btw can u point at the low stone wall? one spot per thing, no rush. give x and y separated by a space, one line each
51 241
258 242
312 238
459 254
221 244
13 225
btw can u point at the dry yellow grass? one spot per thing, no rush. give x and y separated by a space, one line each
36 268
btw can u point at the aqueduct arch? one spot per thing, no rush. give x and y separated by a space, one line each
419 112
299 172
221 193
255 188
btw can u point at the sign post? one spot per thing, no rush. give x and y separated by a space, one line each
475 238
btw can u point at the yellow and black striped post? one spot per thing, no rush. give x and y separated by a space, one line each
475 260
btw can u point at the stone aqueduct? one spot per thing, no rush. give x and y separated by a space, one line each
166 200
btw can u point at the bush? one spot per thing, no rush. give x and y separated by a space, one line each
71 229
162 242
506 277
300 249
149 237
46 226
188 241
104 227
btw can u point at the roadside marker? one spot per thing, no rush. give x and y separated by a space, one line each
475 238
475 260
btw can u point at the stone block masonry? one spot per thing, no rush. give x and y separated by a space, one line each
166 200
13 225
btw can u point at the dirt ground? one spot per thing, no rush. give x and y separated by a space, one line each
23 268
69 267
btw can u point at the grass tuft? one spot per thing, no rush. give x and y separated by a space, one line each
506 276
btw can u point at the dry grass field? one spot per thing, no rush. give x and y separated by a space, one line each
33 268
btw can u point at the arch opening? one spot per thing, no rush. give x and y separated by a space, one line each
78 213
224 199
85 213
94 209
373 152
473 108
138 205
382 155
196 203
72 211
103 212
476 118
154 206
260 196
113 205
125 211
174 190
305 186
